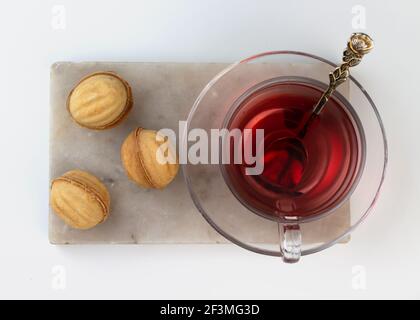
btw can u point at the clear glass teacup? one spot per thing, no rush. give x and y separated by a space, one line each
313 190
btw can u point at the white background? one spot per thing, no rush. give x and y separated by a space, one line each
386 246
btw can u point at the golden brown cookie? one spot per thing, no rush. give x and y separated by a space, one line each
100 101
139 157
80 199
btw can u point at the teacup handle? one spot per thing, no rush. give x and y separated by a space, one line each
290 242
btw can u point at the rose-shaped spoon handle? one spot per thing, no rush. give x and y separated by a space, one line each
358 45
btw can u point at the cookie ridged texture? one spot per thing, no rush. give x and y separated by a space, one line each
80 199
100 101
138 155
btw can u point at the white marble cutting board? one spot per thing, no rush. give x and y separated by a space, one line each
163 94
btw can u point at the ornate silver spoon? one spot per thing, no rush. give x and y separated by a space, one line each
358 45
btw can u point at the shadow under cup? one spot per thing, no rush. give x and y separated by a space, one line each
305 172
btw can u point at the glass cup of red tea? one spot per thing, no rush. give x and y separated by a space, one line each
314 189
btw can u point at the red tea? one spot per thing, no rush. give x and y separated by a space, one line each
306 172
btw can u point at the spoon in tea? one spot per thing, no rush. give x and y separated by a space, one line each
358 45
